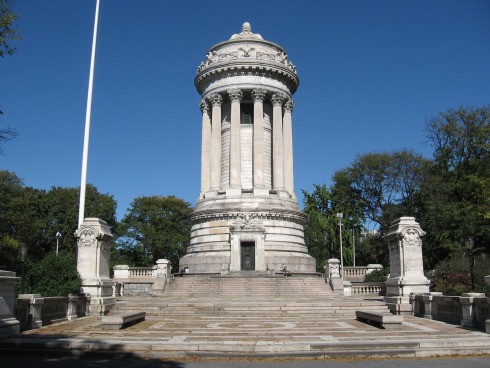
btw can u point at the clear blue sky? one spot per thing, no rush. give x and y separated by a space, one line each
371 73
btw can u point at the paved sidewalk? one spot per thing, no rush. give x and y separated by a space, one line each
244 336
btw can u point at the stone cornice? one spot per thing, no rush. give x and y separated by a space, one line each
278 70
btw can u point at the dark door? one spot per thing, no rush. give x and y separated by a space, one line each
248 256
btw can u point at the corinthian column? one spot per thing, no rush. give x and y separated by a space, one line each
235 158
287 132
258 96
216 101
277 143
205 148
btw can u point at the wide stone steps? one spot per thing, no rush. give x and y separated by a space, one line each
257 311
252 297
256 287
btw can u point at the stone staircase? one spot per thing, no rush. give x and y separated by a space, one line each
256 287
257 297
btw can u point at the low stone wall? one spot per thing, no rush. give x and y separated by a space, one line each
34 311
468 310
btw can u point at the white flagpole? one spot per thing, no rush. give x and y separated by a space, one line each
88 113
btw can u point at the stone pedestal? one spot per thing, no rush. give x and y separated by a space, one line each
94 240
468 308
406 265
333 275
35 306
8 324
487 322
161 273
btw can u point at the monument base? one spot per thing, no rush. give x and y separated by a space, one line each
398 304
8 325
101 299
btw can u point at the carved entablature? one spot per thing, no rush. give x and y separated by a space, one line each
213 57
247 222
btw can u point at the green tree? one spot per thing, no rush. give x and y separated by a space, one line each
322 226
33 217
19 218
155 227
383 184
8 33
454 199
60 208
52 276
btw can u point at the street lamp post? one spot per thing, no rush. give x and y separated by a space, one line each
340 216
58 237
23 253
470 243
354 244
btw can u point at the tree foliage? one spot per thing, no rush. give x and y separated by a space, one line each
155 227
34 216
54 275
380 184
449 195
322 235
8 33
454 199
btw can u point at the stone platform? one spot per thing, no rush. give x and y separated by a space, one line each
239 325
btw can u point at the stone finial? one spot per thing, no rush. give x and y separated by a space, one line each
246 33
246 28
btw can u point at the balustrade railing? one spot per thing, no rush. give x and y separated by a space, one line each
34 311
141 271
468 310
374 288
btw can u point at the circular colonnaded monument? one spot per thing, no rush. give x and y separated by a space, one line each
247 216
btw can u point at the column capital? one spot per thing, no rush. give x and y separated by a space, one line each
277 99
203 105
289 105
258 95
235 94
215 99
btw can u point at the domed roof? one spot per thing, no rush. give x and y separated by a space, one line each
247 51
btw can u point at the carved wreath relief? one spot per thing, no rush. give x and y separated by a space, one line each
87 238
412 237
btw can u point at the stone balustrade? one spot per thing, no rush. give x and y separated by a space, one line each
358 274
372 288
141 280
34 311
468 310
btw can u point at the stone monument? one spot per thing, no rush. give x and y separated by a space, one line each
404 239
247 216
94 240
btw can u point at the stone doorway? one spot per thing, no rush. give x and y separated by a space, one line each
247 256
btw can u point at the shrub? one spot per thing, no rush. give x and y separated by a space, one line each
452 276
377 275
52 276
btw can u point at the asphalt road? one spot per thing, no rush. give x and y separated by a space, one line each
70 362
